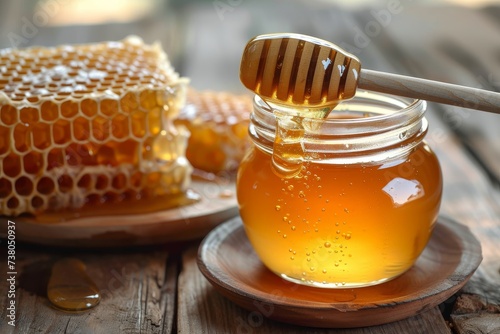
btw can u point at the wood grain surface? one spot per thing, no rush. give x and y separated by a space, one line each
137 287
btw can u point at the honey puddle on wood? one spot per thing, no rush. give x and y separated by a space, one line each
70 288
131 207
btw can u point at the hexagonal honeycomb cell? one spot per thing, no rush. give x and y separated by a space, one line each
76 123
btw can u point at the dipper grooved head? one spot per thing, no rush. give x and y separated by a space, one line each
293 69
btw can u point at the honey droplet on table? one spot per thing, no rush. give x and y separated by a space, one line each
70 288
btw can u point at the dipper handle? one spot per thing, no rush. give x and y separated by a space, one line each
430 90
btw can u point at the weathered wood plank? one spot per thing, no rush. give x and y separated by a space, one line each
482 323
138 293
472 313
201 309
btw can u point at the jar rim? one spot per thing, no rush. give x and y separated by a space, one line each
403 110
365 126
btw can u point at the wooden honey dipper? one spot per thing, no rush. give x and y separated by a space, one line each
298 69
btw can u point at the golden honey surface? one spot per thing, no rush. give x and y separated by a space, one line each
89 124
335 225
295 69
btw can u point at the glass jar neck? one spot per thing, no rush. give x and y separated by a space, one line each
371 128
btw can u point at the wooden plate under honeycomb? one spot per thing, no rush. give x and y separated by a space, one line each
217 204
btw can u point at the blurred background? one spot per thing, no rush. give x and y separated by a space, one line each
455 41
204 38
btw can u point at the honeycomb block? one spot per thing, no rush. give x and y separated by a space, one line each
89 124
218 123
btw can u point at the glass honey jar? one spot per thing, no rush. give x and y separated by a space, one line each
349 200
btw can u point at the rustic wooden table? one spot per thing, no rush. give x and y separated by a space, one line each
159 289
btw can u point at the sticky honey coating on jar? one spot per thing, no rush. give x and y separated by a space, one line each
336 225
292 69
87 125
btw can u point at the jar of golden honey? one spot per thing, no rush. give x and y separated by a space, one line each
349 200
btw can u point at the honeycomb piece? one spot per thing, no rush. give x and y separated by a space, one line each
85 125
218 123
